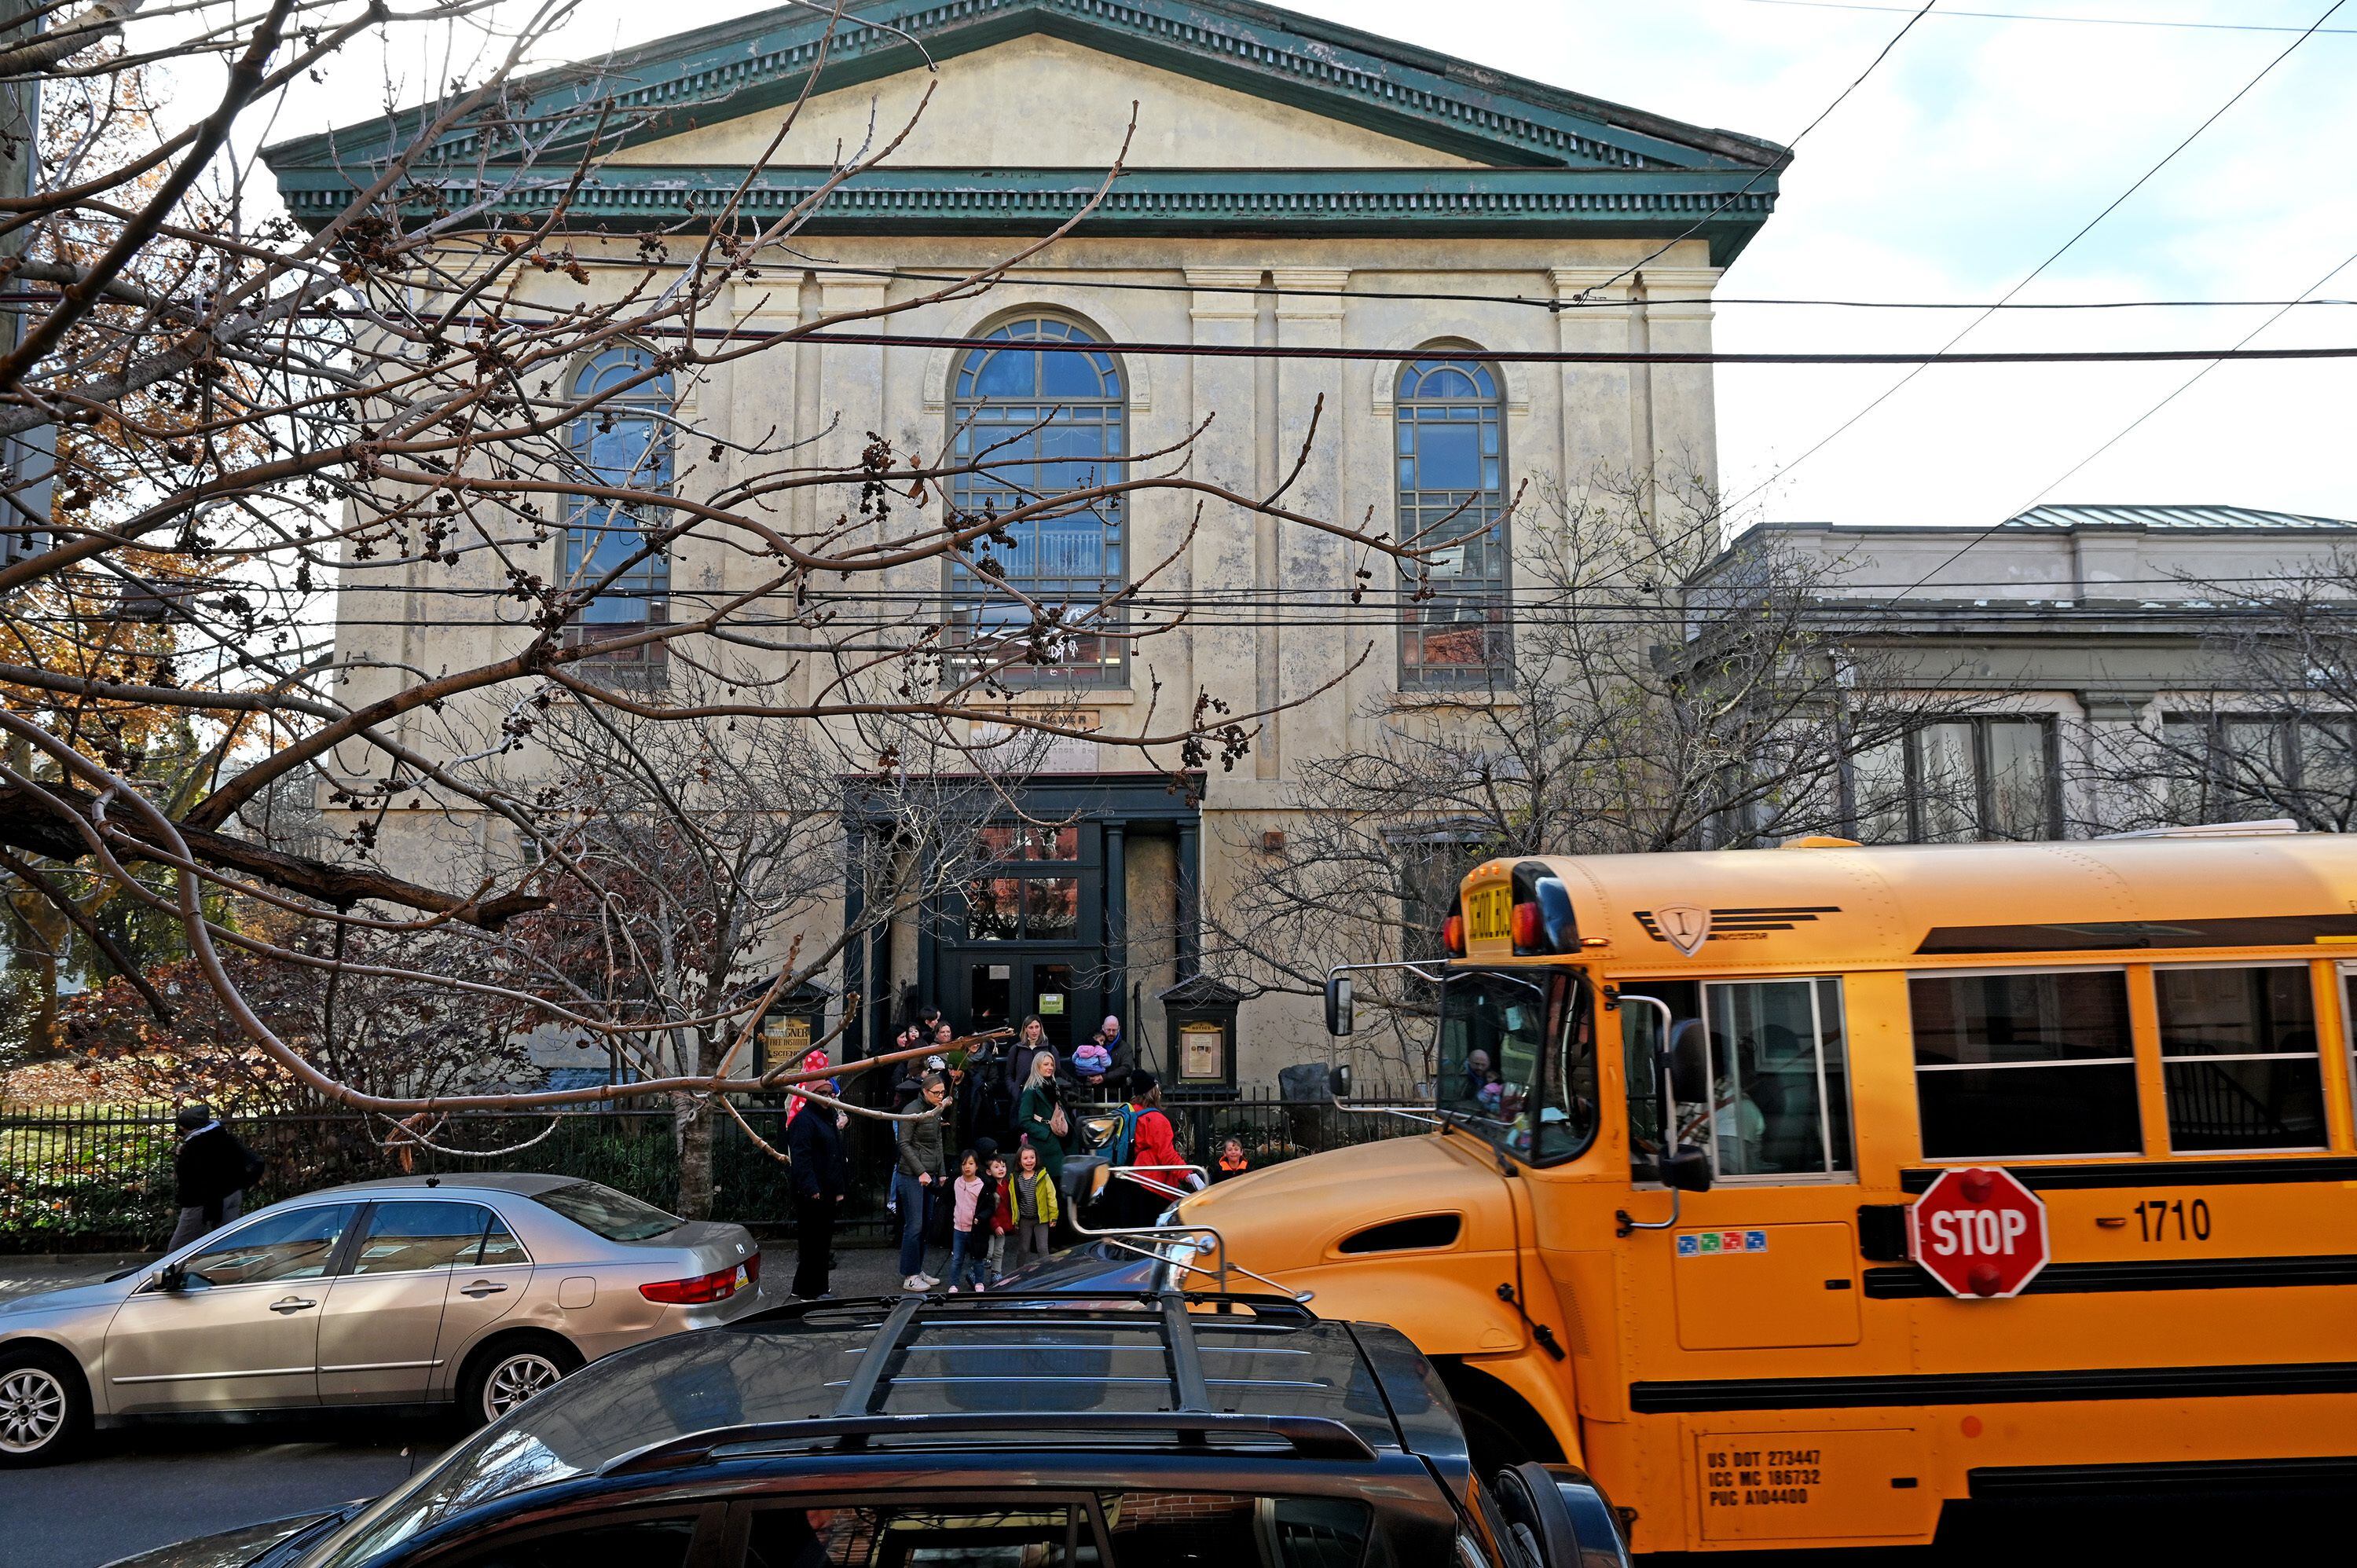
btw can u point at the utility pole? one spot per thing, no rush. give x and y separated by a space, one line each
29 460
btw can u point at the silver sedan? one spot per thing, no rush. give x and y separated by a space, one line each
479 1290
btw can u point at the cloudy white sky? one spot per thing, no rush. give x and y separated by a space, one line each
1974 151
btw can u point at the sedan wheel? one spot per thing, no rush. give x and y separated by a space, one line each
515 1378
34 1408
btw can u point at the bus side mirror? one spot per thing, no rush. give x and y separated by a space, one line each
1686 1169
1338 1005
1337 1082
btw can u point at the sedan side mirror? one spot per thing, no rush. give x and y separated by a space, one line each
1338 1005
1686 1169
1337 1082
175 1278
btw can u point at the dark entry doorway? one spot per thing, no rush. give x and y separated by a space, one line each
999 990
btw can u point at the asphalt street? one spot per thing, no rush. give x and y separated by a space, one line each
153 1486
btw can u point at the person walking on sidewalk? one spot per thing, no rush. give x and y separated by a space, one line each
815 1149
913 1178
211 1173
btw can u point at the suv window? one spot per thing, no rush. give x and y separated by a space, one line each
1178 1530
296 1245
602 1211
641 1543
981 1533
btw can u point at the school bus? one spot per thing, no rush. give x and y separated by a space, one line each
2150 1034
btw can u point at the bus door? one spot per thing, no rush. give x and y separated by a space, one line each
1760 1277
1756 1076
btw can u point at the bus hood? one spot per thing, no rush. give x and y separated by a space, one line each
1296 1216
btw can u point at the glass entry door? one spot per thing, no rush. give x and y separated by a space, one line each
1001 988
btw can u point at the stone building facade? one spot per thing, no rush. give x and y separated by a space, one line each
1292 184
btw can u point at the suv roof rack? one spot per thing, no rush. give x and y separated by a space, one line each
1309 1437
858 1416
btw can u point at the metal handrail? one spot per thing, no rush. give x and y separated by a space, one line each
1121 1236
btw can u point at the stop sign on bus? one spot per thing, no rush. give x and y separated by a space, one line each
1980 1232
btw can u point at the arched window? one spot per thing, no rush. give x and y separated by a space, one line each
1045 415
622 441
1450 449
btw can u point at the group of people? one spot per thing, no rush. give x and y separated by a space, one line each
983 1131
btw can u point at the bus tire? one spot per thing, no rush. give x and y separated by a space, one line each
1500 1427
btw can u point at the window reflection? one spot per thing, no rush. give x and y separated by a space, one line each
1448 456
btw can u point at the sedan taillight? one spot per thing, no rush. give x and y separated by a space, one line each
705 1289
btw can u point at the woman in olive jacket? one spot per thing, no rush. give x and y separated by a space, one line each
1035 1115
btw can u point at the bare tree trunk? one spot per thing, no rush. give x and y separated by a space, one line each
694 1123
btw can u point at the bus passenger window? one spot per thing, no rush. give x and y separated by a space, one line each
1778 1079
2011 1063
2238 1049
1758 1071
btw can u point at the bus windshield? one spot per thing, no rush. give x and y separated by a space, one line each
1517 1061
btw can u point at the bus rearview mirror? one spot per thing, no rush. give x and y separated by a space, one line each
1686 1169
1337 1082
1338 1005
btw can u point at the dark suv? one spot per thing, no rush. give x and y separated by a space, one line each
1144 1431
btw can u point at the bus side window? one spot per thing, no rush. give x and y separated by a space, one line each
1779 1093
2014 1063
1645 1049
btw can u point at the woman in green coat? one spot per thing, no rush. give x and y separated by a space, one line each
1035 1115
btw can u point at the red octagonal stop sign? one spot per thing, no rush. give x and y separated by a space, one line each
1980 1232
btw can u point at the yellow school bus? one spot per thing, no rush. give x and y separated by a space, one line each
2151 1035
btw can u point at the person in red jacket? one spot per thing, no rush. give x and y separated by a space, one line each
1153 1144
1002 1215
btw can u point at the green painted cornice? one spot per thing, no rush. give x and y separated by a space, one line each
761 61
1560 203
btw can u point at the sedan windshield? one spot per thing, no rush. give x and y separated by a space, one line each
602 1211
1517 1061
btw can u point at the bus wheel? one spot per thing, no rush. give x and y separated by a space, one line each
1500 1428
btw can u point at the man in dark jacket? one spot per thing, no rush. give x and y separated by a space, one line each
821 1170
210 1171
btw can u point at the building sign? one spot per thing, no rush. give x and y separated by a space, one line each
1203 1053
785 1040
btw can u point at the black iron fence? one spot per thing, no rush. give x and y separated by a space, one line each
99 1177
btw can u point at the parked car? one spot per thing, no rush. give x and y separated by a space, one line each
479 1290
1144 1430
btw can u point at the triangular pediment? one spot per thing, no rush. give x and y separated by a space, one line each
1251 121
755 64
1042 101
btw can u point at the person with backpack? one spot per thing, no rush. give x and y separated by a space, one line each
212 1172
1147 1142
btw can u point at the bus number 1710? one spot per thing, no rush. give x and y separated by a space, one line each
2191 1222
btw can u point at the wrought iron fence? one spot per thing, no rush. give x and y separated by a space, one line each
99 1177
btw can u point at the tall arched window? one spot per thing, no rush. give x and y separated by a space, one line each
1046 416
1450 448
622 441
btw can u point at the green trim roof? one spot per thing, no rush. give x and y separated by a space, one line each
1671 173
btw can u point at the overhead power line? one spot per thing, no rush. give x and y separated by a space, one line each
2031 276
1554 356
1733 197
2080 21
